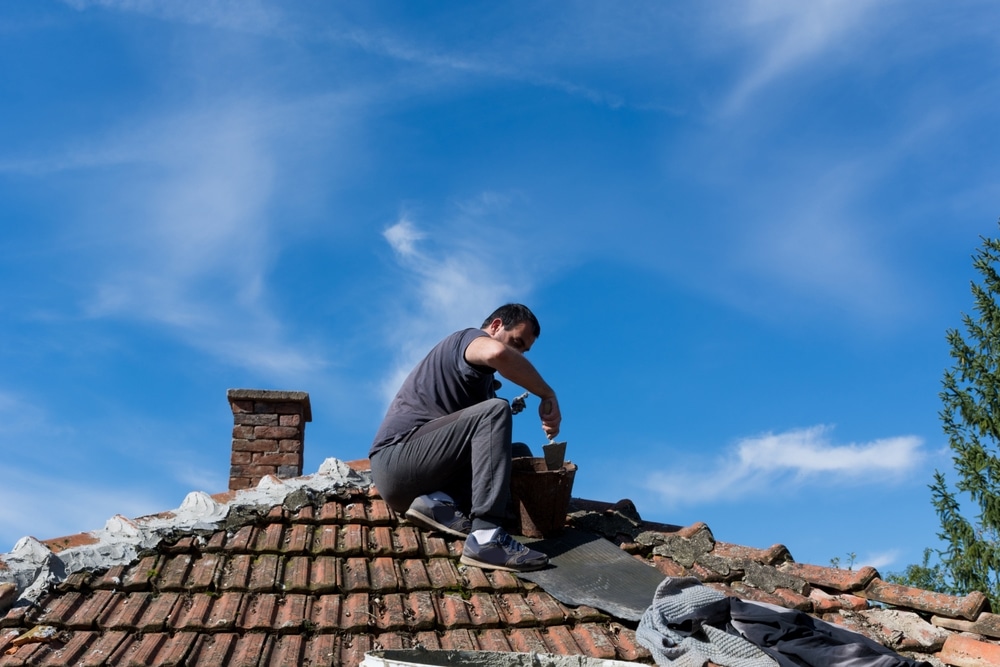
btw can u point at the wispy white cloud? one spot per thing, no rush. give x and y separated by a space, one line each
789 35
455 275
758 465
251 16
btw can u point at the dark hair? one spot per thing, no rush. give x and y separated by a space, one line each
513 314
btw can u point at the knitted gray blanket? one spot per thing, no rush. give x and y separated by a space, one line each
677 628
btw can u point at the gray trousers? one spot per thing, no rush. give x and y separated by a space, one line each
466 454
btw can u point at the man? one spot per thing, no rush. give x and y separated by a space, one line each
443 452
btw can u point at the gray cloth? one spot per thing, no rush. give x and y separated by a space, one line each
677 628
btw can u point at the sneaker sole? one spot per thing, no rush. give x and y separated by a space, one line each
469 560
425 521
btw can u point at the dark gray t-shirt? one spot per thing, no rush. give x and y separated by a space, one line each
441 384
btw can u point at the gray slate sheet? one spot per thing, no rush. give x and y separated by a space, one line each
586 569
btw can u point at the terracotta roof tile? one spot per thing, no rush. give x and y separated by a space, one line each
326 581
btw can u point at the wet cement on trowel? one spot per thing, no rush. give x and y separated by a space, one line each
586 569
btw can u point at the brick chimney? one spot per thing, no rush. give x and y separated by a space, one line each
269 432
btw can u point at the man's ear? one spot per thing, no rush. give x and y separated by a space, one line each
495 325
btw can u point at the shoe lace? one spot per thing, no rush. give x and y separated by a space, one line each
509 544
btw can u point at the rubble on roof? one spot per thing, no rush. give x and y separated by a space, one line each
33 566
318 569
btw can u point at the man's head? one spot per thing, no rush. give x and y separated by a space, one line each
514 325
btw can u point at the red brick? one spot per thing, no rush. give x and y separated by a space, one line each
290 420
967 607
276 433
965 651
257 445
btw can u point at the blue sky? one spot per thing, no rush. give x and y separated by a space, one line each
745 228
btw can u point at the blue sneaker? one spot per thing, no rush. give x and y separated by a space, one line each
503 552
438 515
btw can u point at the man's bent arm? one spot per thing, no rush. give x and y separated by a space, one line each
514 366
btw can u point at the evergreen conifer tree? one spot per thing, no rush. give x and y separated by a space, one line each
971 420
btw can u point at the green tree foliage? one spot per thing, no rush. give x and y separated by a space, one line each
971 420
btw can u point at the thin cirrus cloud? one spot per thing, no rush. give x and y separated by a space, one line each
786 36
757 464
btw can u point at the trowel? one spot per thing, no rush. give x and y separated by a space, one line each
555 454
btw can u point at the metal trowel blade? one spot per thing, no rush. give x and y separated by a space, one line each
555 455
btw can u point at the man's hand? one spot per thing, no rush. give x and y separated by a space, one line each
551 417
